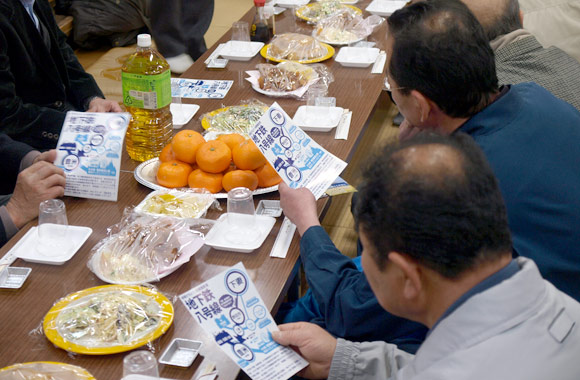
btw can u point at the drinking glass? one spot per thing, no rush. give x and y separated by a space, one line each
140 363
315 91
178 117
241 215
240 31
52 227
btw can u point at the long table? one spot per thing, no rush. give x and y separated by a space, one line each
22 310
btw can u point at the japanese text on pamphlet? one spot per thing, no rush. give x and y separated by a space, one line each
200 88
89 150
299 160
229 307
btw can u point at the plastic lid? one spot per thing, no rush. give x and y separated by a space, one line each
259 3
144 40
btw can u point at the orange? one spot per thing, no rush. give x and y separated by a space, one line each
240 178
173 174
247 156
167 154
232 139
185 144
202 180
213 156
267 176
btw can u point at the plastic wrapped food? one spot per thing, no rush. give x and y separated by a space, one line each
234 119
287 79
345 26
192 203
315 11
44 371
144 249
108 319
296 47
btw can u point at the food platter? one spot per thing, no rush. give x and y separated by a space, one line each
329 54
206 122
145 175
304 10
49 369
81 322
338 43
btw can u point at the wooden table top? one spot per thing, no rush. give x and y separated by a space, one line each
22 310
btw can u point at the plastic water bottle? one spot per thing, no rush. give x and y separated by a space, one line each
146 82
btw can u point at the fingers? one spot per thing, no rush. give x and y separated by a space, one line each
49 156
292 334
103 105
115 107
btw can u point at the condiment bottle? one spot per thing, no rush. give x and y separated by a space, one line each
260 31
146 81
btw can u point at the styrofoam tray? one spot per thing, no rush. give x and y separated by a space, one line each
182 113
240 50
218 235
317 119
291 3
385 7
27 247
357 56
205 199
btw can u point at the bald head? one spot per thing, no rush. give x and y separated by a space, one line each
498 17
435 199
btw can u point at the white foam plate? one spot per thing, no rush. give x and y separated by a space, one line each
339 42
205 198
291 3
385 7
218 235
27 247
357 56
182 113
240 50
317 119
346 1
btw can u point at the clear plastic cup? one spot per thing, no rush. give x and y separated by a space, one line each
240 31
52 227
140 363
317 90
241 215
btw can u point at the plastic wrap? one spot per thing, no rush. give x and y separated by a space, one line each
316 11
143 249
190 203
296 47
44 371
287 79
108 319
234 119
345 26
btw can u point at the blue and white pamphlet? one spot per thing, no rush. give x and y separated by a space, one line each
200 88
89 150
298 159
229 308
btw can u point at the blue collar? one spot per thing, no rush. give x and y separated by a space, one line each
491 281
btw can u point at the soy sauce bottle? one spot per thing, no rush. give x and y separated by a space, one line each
260 31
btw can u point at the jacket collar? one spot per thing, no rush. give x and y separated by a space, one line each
485 315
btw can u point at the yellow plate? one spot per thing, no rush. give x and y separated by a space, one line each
205 123
300 11
138 292
329 54
49 368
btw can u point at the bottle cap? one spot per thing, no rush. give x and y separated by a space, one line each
144 40
259 3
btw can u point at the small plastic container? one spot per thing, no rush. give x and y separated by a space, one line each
181 352
269 208
15 277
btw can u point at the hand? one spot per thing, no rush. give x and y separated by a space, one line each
299 206
104 105
48 156
312 342
406 130
37 183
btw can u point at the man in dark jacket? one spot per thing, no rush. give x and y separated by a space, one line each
40 77
31 178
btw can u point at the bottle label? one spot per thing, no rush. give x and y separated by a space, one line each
147 91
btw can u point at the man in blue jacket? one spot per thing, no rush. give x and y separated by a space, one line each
442 75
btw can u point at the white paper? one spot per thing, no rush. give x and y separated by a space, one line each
299 160
89 150
229 308
200 88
